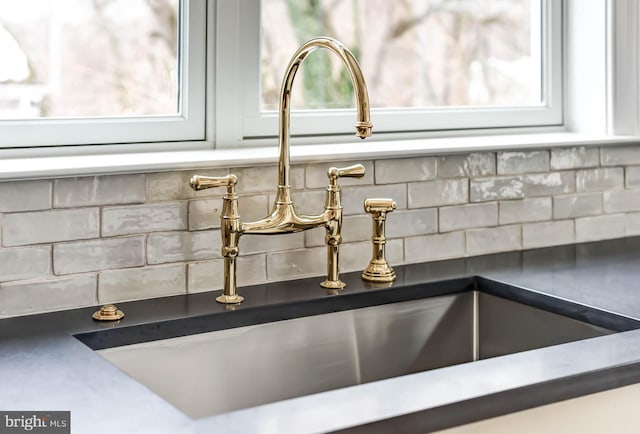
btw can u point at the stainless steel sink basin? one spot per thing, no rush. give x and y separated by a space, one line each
216 372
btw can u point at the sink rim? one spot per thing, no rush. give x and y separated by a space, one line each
252 315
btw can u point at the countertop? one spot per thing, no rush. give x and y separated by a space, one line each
43 367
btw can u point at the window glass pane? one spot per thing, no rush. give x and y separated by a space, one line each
414 53
85 58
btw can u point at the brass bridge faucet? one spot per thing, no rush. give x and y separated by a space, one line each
284 217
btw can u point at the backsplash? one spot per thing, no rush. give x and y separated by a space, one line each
76 242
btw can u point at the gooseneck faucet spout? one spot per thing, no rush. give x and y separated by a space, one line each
363 125
283 217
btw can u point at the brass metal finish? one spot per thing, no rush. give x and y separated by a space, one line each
108 312
230 299
230 227
283 217
379 269
363 125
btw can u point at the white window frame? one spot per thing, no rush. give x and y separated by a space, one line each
623 67
187 125
242 122
600 52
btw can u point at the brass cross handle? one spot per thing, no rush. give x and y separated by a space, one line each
379 269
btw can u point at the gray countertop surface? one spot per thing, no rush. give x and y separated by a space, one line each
44 368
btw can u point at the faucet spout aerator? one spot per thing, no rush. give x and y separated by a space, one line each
363 129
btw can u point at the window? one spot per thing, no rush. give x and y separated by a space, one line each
102 71
429 64
208 71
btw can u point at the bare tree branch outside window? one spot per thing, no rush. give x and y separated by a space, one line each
414 53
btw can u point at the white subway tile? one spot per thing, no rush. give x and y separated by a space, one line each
204 214
98 190
296 264
525 210
260 179
251 243
602 227
454 218
465 165
95 255
517 162
438 192
574 158
49 226
25 263
577 205
434 247
183 246
298 173
315 237
139 283
494 240
34 296
632 224
19 196
620 155
496 188
144 218
545 184
621 201
548 234
632 176
405 170
253 208
601 179
209 275
413 222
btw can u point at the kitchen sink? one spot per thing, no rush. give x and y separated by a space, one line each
216 372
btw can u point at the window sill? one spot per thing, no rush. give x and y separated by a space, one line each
39 165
